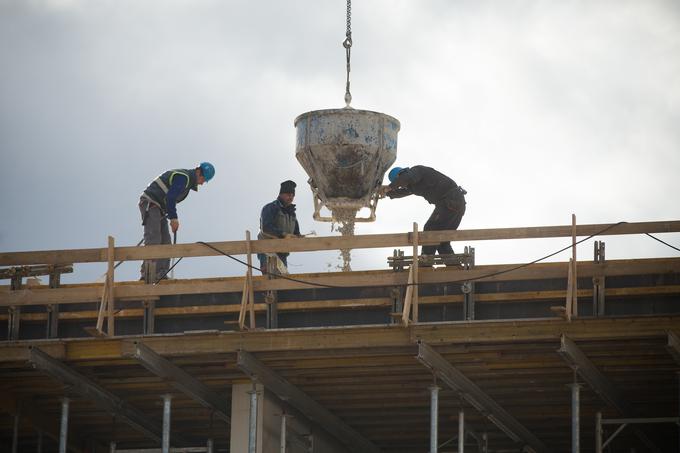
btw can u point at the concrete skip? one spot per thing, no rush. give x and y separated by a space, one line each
346 153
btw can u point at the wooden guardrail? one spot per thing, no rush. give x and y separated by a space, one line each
15 298
366 241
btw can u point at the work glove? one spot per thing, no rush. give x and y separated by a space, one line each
174 225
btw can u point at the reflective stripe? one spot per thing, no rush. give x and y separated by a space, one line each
179 173
161 184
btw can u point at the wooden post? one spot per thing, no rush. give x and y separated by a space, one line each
109 280
574 281
249 276
247 299
415 272
570 292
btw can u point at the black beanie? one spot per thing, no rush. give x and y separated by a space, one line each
288 187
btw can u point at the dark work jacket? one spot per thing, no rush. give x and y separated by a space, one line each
157 192
425 182
277 220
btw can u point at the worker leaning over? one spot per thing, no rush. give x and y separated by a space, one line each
158 203
278 220
438 189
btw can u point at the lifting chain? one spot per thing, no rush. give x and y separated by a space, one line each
347 44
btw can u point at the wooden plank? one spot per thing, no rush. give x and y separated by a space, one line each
332 338
359 303
327 243
137 291
334 304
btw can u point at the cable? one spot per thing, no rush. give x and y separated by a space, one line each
493 274
664 243
540 259
321 285
168 271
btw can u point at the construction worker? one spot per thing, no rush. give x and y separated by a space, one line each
278 220
438 189
158 205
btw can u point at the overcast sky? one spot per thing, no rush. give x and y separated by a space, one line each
540 109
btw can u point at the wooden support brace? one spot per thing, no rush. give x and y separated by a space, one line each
102 307
408 298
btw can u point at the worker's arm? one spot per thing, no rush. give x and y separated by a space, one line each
179 183
398 193
267 218
400 187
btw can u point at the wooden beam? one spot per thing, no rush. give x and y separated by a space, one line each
325 338
94 392
327 243
138 291
182 380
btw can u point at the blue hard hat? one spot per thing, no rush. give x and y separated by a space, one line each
207 170
392 175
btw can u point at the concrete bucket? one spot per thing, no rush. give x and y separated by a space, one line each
346 153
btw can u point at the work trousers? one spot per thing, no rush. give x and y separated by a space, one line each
447 215
156 231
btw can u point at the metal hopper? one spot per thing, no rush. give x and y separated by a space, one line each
346 153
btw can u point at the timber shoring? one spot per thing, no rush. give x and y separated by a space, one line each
369 376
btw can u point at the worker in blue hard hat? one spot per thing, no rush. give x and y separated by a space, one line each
157 205
438 189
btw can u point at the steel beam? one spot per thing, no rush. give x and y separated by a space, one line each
477 398
316 413
88 389
181 380
578 361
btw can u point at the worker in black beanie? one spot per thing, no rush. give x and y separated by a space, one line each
278 220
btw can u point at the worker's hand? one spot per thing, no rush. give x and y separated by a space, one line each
289 235
174 225
383 191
